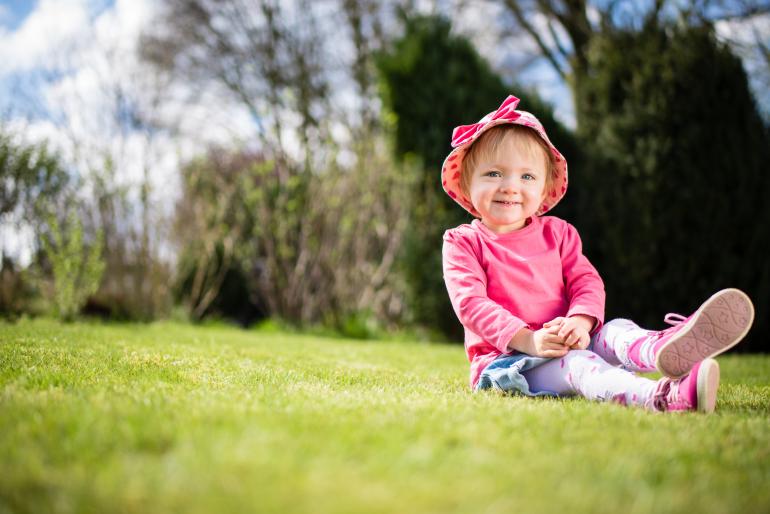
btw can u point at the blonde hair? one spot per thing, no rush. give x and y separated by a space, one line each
524 138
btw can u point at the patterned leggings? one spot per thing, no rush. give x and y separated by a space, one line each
603 372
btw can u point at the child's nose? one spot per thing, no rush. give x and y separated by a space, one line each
509 185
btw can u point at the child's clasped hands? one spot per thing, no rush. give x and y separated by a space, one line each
572 332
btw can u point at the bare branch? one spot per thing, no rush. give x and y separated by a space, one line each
518 13
563 51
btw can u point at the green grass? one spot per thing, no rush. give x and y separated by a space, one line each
175 418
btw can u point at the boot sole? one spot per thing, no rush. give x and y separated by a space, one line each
707 385
718 325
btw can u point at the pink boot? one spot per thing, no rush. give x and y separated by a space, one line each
718 325
697 391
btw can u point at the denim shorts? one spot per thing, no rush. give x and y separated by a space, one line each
505 374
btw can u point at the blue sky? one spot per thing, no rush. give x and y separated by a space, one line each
13 12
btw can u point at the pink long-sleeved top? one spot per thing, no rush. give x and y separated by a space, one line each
501 283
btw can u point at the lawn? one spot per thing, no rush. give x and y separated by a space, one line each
175 418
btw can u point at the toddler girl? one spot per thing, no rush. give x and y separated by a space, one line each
533 305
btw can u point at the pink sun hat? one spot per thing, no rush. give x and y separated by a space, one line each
464 135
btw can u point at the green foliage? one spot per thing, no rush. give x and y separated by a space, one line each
167 417
31 178
32 182
432 81
77 269
678 181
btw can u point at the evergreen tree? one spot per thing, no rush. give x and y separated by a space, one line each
677 208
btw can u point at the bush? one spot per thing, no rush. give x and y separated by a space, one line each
77 269
311 246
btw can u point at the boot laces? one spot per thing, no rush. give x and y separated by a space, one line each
674 319
660 396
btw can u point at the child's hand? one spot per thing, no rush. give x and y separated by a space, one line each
548 343
540 343
555 322
574 330
578 339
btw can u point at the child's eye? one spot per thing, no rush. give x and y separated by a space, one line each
528 176
493 173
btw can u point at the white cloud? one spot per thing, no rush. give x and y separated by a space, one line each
99 59
45 32
124 22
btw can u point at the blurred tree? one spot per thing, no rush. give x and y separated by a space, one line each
212 224
31 177
105 106
123 173
33 182
432 81
678 184
267 54
327 210
77 267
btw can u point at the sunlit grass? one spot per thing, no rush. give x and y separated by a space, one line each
175 418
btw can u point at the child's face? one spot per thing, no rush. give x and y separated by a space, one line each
508 185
